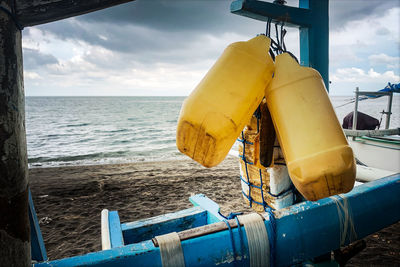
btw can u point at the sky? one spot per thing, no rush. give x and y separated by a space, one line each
165 47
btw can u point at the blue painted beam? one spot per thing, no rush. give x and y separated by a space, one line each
114 225
38 249
312 19
260 10
135 232
303 231
212 208
314 40
310 229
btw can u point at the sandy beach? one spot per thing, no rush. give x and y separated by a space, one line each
69 200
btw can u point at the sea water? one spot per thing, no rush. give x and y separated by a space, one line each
101 130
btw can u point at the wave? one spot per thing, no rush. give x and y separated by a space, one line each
79 157
77 125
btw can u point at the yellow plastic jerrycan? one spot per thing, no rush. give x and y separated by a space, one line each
216 111
318 157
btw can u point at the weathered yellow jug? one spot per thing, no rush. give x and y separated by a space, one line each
216 111
319 159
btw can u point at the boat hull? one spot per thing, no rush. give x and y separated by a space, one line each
377 152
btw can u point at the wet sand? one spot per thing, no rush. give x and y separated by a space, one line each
69 200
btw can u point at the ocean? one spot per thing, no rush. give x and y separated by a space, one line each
66 131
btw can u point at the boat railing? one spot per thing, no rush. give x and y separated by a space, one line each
358 133
368 94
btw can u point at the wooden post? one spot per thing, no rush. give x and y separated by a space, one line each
15 247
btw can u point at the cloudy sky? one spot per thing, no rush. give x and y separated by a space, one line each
165 47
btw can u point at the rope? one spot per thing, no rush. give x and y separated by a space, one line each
171 250
245 165
13 18
257 239
232 241
242 248
345 216
279 45
271 229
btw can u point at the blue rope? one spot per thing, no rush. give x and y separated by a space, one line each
245 160
13 18
249 184
232 241
247 172
242 248
244 141
264 204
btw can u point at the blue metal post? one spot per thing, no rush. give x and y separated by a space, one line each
312 19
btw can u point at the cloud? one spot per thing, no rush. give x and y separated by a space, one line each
165 47
32 75
345 80
34 59
344 12
383 59
356 74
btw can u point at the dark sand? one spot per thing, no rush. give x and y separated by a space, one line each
69 201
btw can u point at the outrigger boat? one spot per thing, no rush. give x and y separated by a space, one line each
376 148
302 234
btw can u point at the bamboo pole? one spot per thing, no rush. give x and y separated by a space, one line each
14 222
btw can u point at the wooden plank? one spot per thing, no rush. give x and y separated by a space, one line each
15 247
115 230
105 230
203 230
30 13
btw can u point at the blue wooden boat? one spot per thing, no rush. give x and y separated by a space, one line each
296 235
302 234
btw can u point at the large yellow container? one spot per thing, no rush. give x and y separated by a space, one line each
317 154
213 115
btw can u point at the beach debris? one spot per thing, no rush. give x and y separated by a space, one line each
45 220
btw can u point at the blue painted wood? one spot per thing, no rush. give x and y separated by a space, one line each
260 10
315 38
310 229
212 208
115 230
303 231
38 249
134 232
312 19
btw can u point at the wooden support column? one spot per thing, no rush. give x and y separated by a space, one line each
15 247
